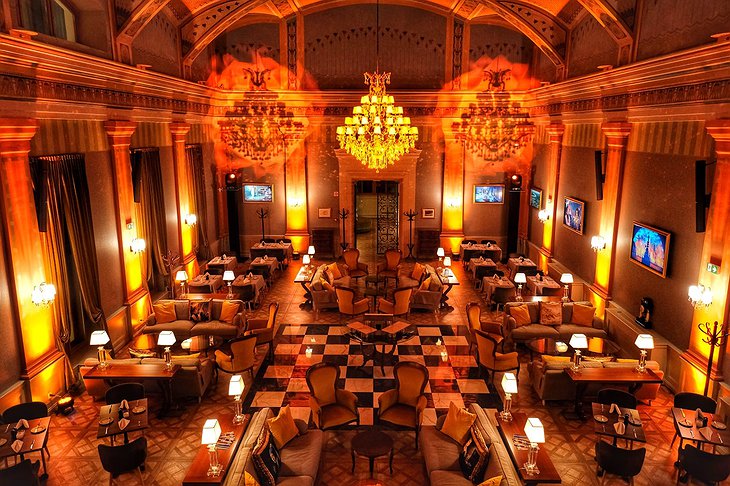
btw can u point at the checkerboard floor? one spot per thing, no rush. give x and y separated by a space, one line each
282 382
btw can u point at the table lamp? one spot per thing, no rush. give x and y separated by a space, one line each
306 260
100 338
211 433
310 251
643 342
182 277
520 278
447 264
535 433
228 278
509 385
566 279
577 342
440 253
235 389
167 339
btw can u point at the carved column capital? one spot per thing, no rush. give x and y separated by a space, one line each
16 134
720 131
555 132
617 133
179 131
120 131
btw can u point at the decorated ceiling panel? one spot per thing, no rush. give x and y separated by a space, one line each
250 42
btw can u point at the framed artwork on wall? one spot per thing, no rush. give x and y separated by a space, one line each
258 193
535 198
489 193
573 214
428 213
650 248
325 212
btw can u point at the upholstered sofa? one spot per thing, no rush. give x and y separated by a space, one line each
441 453
428 299
534 330
191 381
551 383
184 327
411 278
324 296
299 458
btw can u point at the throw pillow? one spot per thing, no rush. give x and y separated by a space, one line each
457 423
425 284
521 314
186 360
318 284
440 421
282 427
266 459
417 271
164 312
474 457
329 276
328 287
583 315
495 481
435 285
228 311
551 313
335 270
199 311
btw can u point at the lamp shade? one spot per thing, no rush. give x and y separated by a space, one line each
236 386
211 432
99 338
181 276
578 341
191 219
509 383
310 250
520 278
440 252
644 341
566 278
306 260
229 276
534 431
166 338
447 261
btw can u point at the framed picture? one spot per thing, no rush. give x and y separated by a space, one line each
573 212
428 213
650 248
325 212
535 198
258 193
489 193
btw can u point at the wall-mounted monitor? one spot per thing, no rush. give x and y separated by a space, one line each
258 193
650 248
489 193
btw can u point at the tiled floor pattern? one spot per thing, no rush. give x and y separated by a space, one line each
172 442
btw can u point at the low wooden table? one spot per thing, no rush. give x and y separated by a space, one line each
633 433
31 442
596 347
548 474
139 372
608 376
372 444
388 336
197 474
137 421
304 277
450 282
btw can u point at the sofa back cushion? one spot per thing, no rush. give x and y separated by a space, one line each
332 267
521 314
182 310
551 313
583 315
417 271
164 311
228 311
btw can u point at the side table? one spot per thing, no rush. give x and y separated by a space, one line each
372 444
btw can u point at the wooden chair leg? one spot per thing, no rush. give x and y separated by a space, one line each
139 473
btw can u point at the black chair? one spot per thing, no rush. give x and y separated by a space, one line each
125 458
125 391
486 242
27 411
623 399
23 473
691 401
269 240
705 466
625 463
286 240
248 295
466 242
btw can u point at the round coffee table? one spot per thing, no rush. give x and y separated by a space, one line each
596 347
372 444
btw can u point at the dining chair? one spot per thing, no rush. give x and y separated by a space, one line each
488 358
502 295
124 391
28 411
248 295
355 268
404 405
124 458
704 466
263 329
625 463
347 304
241 359
468 241
331 406
691 401
486 242
389 268
23 473
401 304
623 399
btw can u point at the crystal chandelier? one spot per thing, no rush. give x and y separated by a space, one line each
494 128
377 134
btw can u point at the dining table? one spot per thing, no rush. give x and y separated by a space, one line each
304 277
269 263
34 439
521 265
604 423
222 264
491 284
205 284
249 280
480 267
109 420
543 285
471 250
715 433
281 251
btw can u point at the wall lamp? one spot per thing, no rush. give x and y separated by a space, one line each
43 294
137 245
700 296
544 214
598 243
191 220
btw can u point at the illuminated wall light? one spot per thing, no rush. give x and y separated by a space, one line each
137 245
544 214
598 243
700 296
43 294
191 220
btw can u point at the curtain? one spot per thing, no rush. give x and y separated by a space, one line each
196 169
150 216
70 246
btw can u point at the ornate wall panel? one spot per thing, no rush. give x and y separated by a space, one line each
156 45
243 42
340 46
591 46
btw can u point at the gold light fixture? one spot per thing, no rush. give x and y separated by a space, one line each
494 128
377 134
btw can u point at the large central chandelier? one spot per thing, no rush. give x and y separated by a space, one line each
494 128
377 134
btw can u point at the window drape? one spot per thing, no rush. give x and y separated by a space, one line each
196 169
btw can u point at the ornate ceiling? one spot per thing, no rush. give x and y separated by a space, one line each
545 22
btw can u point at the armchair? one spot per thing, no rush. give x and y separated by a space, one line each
263 329
490 359
355 269
331 406
242 356
473 316
401 304
404 405
391 266
347 304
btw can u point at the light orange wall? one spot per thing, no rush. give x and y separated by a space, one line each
297 228
452 219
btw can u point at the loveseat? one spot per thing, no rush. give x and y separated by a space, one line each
515 331
299 458
184 326
323 285
441 453
551 383
428 297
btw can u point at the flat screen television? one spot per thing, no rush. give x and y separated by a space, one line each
573 214
489 193
258 193
650 248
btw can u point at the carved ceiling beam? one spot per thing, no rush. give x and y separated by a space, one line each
140 17
284 7
610 20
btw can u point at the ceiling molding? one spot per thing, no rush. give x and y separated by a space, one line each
139 18
612 22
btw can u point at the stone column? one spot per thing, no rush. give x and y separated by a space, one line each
555 133
187 234
452 209
295 170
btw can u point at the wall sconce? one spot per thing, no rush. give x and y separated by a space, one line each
543 215
700 296
191 220
137 245
598 243
43 294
